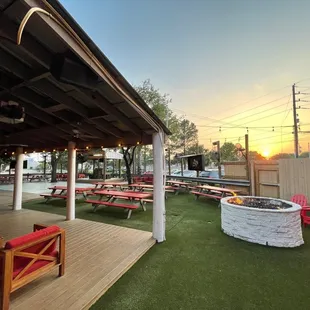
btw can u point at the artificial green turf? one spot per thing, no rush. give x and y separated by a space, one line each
199 267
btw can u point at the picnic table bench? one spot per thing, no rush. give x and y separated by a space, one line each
128 207
213 192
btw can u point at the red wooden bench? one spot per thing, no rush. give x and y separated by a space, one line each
97 203
48 197
26 258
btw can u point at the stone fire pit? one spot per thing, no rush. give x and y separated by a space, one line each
267 221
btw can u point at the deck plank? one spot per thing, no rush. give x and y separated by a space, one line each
97 256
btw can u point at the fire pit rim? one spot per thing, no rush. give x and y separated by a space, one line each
294 206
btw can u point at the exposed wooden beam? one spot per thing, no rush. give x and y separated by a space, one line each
24 83
31 46
8 62
61 97
103 104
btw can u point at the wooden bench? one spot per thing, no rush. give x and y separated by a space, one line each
128 207
215 195
48 197
28 257
147 200
172 189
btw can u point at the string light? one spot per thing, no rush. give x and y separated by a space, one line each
54 150
119 145
138 142
13 153
65 150
87 147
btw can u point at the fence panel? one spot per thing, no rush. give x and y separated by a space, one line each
294 177
235 170
265 178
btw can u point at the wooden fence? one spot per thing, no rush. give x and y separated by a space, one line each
235 170
274 178
265 178
294 177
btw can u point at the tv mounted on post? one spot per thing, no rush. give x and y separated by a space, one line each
196 162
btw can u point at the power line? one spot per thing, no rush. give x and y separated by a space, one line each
221 120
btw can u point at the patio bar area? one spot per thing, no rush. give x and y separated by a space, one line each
97 255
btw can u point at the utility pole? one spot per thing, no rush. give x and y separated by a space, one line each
218 148
296 144
247 157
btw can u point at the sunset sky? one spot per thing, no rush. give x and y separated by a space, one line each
224 63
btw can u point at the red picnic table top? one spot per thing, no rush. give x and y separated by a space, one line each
133 195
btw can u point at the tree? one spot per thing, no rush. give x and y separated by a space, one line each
254 155
155 100
228 152
128 155
281 155
55 159
5 160
304 155
159 103
186 137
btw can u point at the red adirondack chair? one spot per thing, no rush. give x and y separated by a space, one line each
302 201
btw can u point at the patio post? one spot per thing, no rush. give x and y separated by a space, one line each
18 179
71 181
159 212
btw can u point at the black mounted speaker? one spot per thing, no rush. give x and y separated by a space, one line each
13 164
69 70
196 162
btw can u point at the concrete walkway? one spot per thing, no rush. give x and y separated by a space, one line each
30 191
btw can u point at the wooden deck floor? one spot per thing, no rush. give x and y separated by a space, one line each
97 256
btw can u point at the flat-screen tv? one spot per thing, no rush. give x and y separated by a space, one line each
196 162
13 164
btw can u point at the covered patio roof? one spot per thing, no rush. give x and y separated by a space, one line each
68 87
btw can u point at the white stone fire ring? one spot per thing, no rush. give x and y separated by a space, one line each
278 228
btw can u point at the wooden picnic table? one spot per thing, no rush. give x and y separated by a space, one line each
179 184
141 187
102 185
214 192
63 192
113 195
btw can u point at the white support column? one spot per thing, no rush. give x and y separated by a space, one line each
71 181
18 180
159 210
